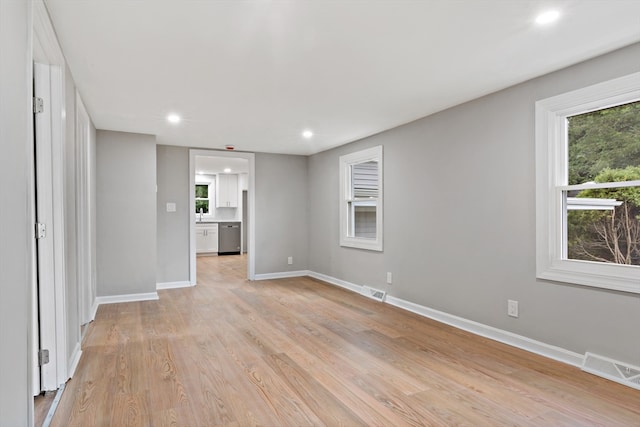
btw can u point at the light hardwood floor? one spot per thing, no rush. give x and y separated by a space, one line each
298 352
41 405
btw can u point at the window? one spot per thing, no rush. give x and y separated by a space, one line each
361 199
202 198
588 186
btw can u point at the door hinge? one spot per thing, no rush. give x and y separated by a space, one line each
41 230
38 105
43 357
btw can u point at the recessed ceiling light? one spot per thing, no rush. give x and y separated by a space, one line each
173 118
307 134
547 17
227 170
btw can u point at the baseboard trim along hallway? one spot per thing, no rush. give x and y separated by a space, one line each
114 299
174 285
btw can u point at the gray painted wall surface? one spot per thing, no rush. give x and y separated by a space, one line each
15 230
173 227
459 220
281 213
126 213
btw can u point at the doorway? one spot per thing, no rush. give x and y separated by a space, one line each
218 180
48 335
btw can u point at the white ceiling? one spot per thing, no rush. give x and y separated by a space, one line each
256 73
214 164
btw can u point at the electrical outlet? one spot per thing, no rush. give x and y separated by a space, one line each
512 308
389 278
290 260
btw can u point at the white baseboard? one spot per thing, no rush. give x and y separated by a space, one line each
94 310
505 337
174 285
500 335
127 298
282 275
75 359
332 280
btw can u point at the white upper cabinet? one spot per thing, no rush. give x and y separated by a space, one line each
227 194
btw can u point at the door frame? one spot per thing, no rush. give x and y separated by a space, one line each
52 333
251 255
85 215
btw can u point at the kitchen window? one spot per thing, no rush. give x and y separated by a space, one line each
588 186
361 199
202 198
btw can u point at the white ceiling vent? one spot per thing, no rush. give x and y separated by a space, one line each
372 293
613 370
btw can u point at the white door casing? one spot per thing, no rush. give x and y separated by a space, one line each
192 203
49 83
49 185
84 217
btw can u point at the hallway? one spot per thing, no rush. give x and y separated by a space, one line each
296 351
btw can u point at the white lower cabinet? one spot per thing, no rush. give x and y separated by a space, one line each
206 238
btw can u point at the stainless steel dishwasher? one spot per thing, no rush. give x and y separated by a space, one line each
228 238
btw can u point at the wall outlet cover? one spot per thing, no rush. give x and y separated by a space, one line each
512 308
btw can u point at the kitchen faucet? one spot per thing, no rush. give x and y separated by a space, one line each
200 214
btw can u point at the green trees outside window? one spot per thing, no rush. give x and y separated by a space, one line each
202 198
604 147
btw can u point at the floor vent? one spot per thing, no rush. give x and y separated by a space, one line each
375 294
613 370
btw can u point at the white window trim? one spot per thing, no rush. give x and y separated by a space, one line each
210 185
374 153
551 179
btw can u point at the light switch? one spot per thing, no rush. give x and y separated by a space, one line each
171 207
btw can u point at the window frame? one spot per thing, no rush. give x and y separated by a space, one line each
208 199
346 200
552 180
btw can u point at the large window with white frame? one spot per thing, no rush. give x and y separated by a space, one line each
588 186
361 199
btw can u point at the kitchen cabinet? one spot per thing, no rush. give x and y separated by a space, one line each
227 191
206 238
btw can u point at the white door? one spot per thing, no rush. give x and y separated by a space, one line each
50 316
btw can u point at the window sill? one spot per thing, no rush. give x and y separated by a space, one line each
617 277
368 244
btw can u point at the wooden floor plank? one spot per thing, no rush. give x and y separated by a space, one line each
300 352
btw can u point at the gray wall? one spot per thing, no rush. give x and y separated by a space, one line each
126 213
173 227
281 213
459 220
15 229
